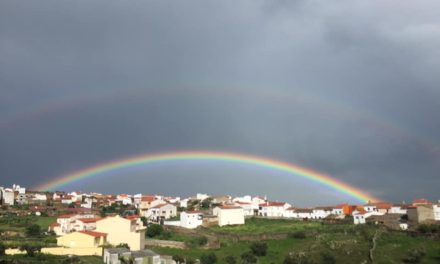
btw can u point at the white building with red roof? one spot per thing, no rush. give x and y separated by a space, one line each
249 208
82 224
273 209
161 211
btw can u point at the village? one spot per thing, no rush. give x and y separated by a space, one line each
116 226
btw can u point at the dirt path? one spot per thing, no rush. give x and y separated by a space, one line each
375 237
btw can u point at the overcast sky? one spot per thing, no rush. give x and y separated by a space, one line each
348 88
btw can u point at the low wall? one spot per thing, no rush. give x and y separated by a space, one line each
61 251
171 223
164 243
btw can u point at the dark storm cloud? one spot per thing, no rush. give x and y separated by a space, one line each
349 88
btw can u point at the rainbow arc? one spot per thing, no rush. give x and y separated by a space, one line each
141 160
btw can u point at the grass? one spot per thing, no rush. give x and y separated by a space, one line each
261 226
347 243
19 223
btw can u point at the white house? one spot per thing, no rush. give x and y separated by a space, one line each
161 211
377 207
82 224
7 196
259 200
303 213
339 211
184 203
19 189
191 219
360 217
398 209
229 215
321 212
244 199
436 208
39 197
124 199
67 223
273 209
249 208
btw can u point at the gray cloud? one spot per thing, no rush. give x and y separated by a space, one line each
347 88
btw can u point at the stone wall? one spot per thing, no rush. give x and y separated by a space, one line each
164 243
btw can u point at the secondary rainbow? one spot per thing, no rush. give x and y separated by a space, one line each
262 162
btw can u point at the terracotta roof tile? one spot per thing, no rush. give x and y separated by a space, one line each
93 233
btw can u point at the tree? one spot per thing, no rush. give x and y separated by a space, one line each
248 258
33 230
259 248
230 260
123 245
144 220
209 258
206 204
179 259
154 230
2 250
30 249
327 258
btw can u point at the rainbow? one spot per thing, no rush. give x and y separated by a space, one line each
270 164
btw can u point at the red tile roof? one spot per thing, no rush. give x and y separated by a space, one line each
230 207
147 198
93 233
89 220
132 217
193 212
160 205
278 204
66 216
421 201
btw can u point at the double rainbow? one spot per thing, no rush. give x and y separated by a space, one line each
266 163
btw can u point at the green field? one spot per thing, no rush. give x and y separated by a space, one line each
18 225
261 226
345 243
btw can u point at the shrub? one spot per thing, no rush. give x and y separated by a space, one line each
190 261
197 241
414 256
248 258
209 258
297 258
30 249
327 258
154 230
33 230
123 245
259 248
298 235
230 260
179 259
2 249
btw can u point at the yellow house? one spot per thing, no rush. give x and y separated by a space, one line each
123 230
82 239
